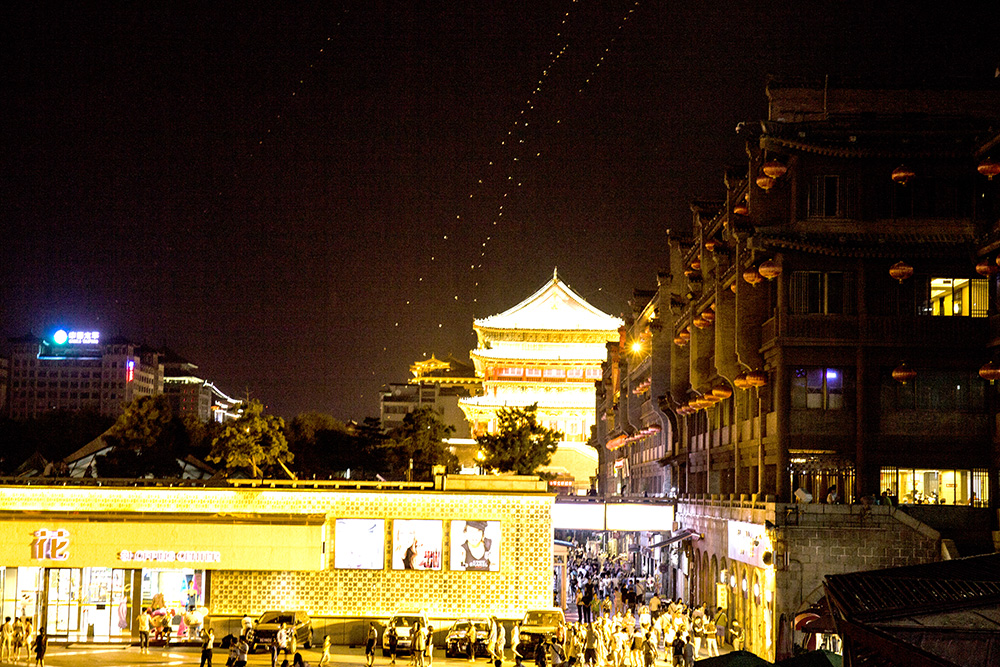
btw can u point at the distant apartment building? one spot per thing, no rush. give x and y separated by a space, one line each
79 370
437 384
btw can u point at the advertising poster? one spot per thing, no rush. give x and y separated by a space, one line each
416 544
359 544
475 546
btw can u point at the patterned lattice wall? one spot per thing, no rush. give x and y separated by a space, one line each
524 579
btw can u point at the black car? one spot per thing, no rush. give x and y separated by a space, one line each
466 630
265 628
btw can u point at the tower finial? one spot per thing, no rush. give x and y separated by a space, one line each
555 273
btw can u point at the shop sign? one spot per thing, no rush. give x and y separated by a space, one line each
167 556
747 543
50 544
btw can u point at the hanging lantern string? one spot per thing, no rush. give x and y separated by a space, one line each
501 177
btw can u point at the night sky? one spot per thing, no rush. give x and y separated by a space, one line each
292 196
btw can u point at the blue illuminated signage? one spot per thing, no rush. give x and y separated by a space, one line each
62 337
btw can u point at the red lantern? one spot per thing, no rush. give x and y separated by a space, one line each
902 174
903 373
721 391
989 168
696 265
990 371
680 342
901 271
757 378
774 169
741 382
752 276
986 268
770 269
733 287
708 316
765 182
685 335
741 208
701 322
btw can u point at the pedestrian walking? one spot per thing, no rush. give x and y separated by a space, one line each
419 643
41 645
325 658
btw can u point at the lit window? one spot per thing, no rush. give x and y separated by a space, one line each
956 297
818 388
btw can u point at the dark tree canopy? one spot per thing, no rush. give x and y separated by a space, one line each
419 438
521 445
145 441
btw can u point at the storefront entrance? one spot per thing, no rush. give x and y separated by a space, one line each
98 604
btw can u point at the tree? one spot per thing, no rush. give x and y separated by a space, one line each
521 445
323 446
420 438
146 440
254 439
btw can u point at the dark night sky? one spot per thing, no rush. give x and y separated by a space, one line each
281 193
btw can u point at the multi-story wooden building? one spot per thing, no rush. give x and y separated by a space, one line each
831 318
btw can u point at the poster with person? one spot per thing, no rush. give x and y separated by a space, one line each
475 545
417 544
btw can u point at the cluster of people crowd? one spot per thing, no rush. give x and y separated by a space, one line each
18 636
674 633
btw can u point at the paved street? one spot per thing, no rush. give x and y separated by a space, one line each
115 656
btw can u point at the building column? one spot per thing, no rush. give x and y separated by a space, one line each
782 410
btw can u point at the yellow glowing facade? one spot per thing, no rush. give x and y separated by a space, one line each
547 350
255 548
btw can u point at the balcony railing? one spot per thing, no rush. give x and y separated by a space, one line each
968 332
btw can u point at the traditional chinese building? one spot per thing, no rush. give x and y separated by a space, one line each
547 350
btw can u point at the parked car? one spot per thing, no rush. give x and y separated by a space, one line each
403 622
538 625
463 631
265 628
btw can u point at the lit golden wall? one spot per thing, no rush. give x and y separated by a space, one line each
524 579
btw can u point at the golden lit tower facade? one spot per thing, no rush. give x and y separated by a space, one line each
547 350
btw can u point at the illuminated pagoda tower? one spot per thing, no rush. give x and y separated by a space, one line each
547 350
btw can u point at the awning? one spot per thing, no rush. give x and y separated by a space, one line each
687 533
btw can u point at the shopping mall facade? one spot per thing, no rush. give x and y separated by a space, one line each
82 560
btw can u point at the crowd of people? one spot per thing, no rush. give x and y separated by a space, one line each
18 636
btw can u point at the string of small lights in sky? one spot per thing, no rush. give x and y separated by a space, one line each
513 151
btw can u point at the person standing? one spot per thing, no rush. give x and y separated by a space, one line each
142 621
429 651
283 639
370 645
688 653
711 638
6 639
29 639
721 623
393 644
246 625
501 644
41 645
419 644
206 648
242 651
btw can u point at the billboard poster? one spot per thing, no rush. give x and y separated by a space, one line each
416 544
359 544
475 546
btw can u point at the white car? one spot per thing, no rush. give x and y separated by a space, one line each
403 622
